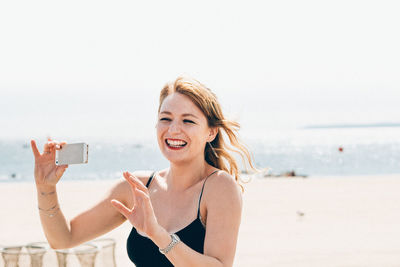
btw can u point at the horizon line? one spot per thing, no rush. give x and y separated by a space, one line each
350 125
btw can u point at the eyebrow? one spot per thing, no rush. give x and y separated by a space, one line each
183 115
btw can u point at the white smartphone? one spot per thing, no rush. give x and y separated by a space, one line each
77 153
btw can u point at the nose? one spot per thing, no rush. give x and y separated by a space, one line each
174 127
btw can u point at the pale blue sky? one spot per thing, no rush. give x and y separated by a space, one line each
94 68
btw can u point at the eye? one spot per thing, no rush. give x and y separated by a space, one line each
188 121
165 119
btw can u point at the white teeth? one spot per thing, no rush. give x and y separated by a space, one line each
176 143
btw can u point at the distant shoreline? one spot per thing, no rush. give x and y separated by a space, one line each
243 175
374 125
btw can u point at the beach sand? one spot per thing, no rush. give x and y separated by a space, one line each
315 221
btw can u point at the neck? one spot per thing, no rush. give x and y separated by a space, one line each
182 176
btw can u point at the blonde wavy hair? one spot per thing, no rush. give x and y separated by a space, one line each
207 101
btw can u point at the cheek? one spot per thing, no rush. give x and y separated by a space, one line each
160 129
198 134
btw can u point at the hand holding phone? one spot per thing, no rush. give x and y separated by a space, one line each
77 153
47 173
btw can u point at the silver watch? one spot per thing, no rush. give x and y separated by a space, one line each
175 240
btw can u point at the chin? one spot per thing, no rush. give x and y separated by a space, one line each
176 159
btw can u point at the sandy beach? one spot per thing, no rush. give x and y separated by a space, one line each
314 221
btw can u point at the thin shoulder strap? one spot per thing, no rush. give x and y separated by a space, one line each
151 178
201 193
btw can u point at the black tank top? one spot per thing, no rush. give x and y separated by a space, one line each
143 252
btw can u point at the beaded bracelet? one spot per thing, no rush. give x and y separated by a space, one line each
47 193
53 209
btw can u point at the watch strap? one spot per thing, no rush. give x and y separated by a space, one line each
174 240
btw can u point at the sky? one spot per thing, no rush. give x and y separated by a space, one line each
81 69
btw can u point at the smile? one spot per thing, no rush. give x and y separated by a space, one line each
175 143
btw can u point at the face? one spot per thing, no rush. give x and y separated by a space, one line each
182 129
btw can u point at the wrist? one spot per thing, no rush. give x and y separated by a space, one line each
161 237
44 188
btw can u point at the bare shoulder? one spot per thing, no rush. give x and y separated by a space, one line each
223 181
222 188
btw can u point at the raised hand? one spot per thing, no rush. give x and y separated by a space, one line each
141 215
46 171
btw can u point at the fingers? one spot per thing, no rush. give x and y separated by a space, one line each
121 208
62 144
60 170
59 145
139 190
135 181
35 150
142 194
53 145
133 188
144 202
48 147
129 178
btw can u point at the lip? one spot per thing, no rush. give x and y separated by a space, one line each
174 139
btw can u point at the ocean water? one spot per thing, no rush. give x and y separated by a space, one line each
311 152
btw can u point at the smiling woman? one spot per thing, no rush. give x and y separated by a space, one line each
178 219
183 127
206 106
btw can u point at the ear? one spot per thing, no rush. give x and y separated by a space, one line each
212 134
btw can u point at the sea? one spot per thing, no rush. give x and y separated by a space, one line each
312 151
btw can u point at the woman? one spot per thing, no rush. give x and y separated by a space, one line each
186 215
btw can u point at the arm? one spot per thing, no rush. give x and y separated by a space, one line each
95 221
224 205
